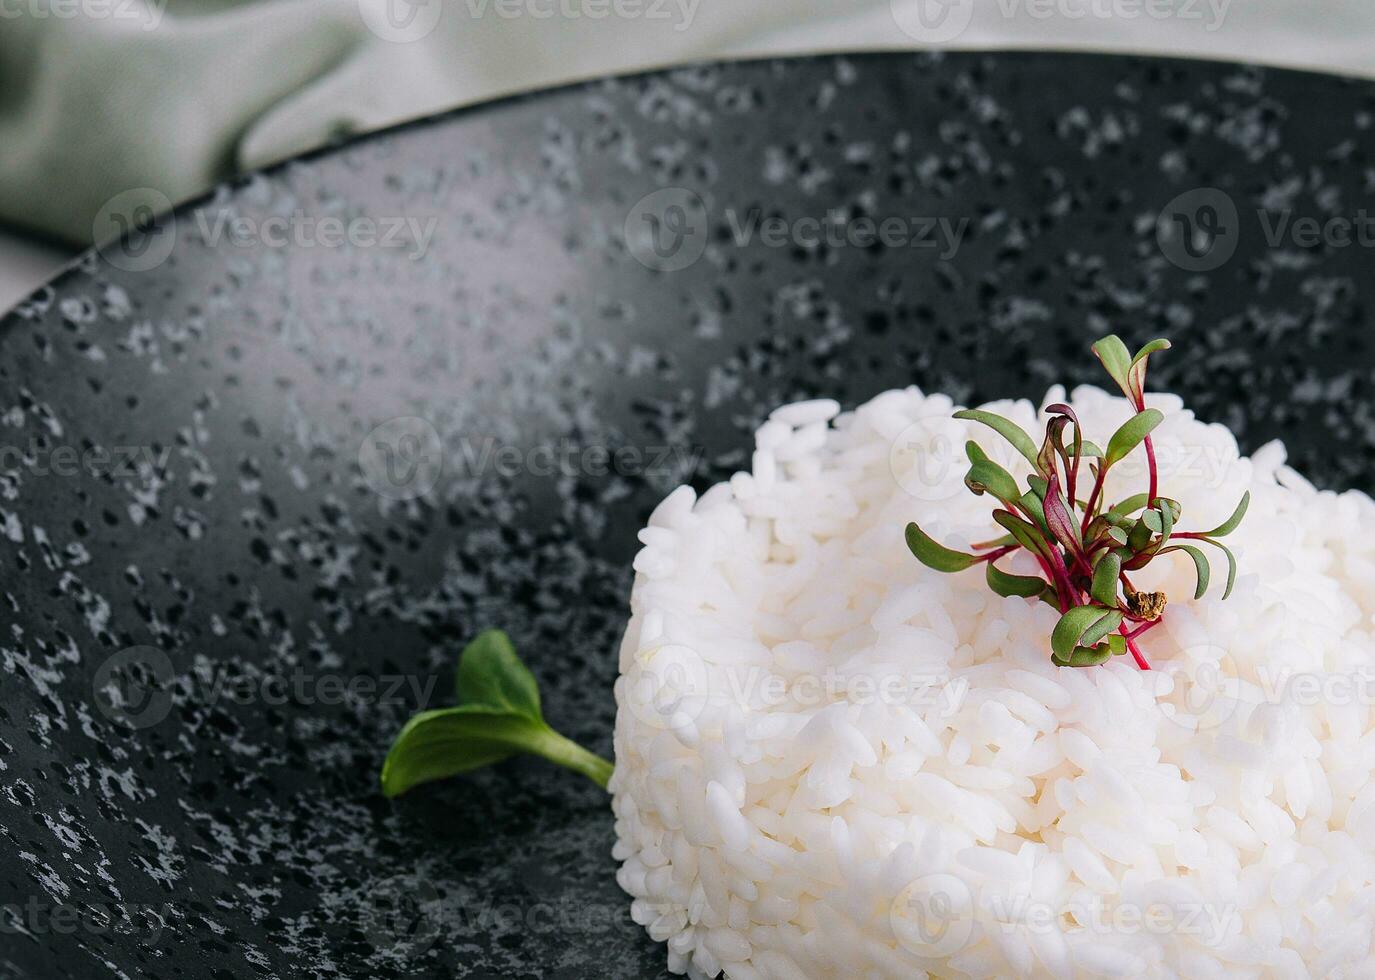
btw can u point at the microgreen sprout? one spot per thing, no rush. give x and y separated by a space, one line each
1087 550
498 715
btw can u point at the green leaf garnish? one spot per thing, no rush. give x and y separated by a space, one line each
1136 374
1160 343
1130 506
1102 627
1006 428
490 673
1026 534
1105 575
1201 566
1129 436
1231 564
1230 525
1086 550
1075 623
936 556
1085 656
986 475
500 717
1006 584
1116 360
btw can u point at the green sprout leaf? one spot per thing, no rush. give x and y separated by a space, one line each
489 673
1102 628
1159 344
1129 436
1035 506
1084 656
1160 519
1130 506
936 556
1079 626
986 475
1105 575
500 717
1006 584
1136 374
1087 549
1116 360
1231 569
1139 536
1230 525
1026 534
1231 564
1058 518
1006 428
1201 566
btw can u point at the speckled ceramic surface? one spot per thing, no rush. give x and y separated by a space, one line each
260 483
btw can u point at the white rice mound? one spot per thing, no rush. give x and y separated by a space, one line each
832 761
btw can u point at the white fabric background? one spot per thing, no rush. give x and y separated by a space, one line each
169 97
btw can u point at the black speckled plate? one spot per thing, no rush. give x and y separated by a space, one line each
261 478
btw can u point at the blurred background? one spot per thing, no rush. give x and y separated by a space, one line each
112 109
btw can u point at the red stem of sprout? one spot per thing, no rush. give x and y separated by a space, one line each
1093 498
1142 628
1155 481
1133 648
